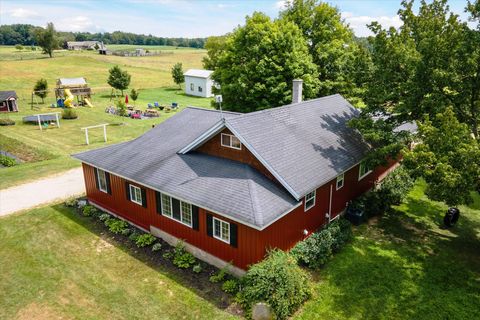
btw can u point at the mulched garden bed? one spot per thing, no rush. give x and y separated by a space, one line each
199 282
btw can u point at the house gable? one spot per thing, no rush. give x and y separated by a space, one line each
214 147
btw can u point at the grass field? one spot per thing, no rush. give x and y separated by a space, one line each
149 74
405 266
56 264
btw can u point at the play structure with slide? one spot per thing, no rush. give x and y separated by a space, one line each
68 102
69 88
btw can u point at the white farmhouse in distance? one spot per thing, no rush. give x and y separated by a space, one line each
198 83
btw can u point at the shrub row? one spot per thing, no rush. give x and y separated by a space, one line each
315 251
392 191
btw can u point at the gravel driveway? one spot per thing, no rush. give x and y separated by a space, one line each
32 194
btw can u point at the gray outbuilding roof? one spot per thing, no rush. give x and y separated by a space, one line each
5 95
199 73
227 187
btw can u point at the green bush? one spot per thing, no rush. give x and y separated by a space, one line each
72 202
126 232
144 240
219 276
69 113
181 257
134 236
89 210
6 122
314 251
341 232
157 247
395 186
278 281
230 286
197 268
116 225
104 216
7 161
168 255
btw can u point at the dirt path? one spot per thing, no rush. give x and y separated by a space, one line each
32 194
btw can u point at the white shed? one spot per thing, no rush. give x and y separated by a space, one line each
198 83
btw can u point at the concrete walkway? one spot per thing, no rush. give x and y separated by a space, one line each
42 191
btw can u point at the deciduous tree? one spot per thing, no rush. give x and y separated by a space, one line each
47 39
177 74
119 79
41 89
259 62
448 159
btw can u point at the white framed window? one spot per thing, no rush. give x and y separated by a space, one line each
340 181
363 170
310 200
192 87
186 213
221 230
200 89
185 210
230 141
136 194
167 209
102 180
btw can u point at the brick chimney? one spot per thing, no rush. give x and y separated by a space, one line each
297 90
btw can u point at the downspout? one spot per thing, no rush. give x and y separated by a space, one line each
330 204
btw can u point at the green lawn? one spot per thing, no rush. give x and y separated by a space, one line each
149 74
404 266
57 265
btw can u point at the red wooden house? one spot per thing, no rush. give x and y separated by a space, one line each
8 101
234 185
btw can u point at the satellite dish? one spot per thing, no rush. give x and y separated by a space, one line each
218 98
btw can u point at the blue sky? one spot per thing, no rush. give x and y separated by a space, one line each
182 18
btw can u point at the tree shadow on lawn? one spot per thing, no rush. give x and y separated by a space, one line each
198 283
406 266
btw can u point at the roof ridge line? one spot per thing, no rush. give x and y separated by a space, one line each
244 115
212 110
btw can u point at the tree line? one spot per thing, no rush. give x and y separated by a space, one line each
427 71
24 34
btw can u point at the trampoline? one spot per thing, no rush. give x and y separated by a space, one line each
43 118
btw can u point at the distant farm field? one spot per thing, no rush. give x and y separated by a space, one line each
151 75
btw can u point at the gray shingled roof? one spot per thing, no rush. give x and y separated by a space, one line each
4 95
224 186
199 73
307 143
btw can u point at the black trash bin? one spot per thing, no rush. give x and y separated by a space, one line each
355 215
451 217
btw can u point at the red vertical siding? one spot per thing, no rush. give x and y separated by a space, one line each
247 251
252 244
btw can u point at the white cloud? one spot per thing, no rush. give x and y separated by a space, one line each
359 23
23 13
282 4
78 23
